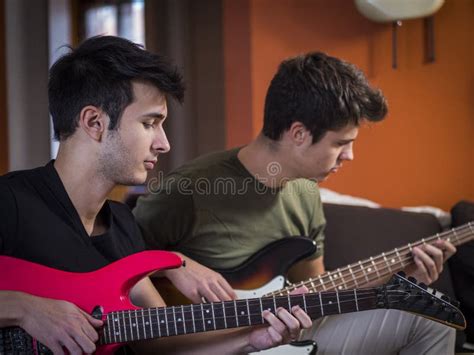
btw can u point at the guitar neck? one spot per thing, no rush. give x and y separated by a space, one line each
126 326
378 267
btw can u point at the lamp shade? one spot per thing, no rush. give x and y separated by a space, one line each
393 10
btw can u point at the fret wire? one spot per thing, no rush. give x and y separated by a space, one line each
131 324
274 305
225 317
341 277
261 309
353 277
143 321
184 319
386 262
116 323
375 266
135 313
175 322
124 327
192 315
331 278
322 282
158 320
165 311
289 302
213 315
116 332
455 235
304 302
236 313
399 257
108 325
203 320
363 270
151 323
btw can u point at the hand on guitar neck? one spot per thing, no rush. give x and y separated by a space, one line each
429 260
426 264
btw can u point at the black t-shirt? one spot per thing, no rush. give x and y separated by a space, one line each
39 223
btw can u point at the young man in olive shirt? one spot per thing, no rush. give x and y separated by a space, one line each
314 107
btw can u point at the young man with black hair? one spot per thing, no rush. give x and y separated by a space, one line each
108 99
222 208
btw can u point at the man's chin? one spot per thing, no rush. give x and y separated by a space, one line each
137 179
322 178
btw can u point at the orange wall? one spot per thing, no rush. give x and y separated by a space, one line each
422 153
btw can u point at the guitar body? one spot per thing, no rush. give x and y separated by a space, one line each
262 273
108 287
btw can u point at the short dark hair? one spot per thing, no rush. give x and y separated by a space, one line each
322 92
100 72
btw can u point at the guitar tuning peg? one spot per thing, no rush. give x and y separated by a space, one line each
401 273
411 279
423 286
433 291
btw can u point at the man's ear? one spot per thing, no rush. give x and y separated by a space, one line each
298 133
93 121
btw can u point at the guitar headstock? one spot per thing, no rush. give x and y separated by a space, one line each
406 294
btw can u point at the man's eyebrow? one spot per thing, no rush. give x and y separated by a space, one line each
155 115
347 140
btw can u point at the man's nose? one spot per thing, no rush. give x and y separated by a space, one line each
347 154
160 143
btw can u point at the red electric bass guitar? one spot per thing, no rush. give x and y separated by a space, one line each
105 294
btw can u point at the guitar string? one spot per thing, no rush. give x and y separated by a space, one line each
386 269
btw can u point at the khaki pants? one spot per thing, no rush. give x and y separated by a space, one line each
380 332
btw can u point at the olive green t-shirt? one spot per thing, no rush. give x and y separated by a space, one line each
214 211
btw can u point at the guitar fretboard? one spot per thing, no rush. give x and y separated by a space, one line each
375 268
125 326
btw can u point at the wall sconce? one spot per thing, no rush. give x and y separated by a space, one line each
395 11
